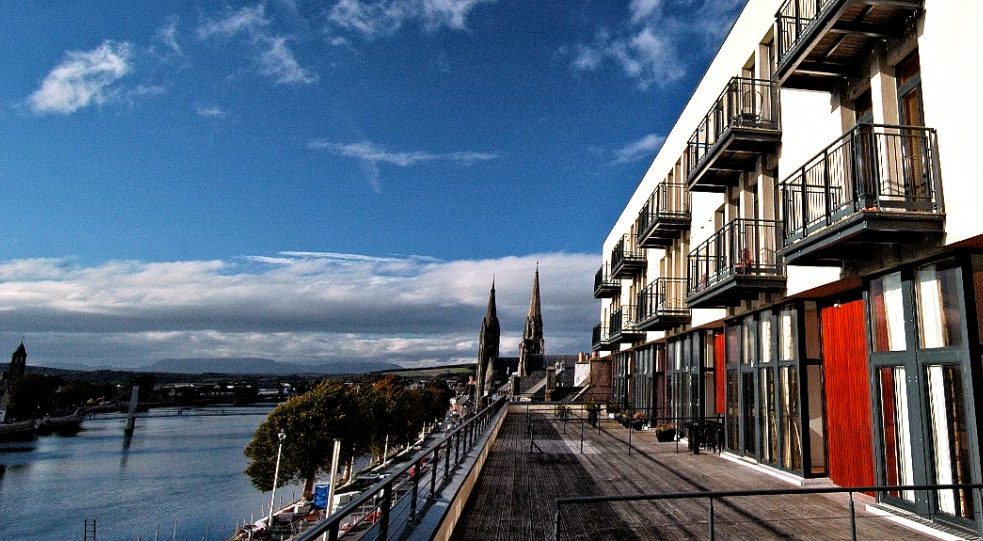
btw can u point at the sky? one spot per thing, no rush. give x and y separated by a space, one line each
323 180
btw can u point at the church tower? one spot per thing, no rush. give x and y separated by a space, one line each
532 335
488 343
18 364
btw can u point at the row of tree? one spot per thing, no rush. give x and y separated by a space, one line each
363 416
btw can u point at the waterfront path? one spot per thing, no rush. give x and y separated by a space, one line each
515 494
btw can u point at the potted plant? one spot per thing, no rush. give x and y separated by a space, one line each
592 409
637 420
665 431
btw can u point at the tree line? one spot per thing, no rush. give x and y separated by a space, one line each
361 415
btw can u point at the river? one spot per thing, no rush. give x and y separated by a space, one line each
181 475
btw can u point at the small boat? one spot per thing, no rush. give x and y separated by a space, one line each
19 431
63 424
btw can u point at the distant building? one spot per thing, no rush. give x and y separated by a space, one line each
18 365
528 372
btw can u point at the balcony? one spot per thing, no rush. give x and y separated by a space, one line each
599 338
662 305
875 185
626 258
604 285
665 216
743 124
738 262
822 41
622 326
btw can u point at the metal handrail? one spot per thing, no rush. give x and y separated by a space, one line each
716 495
794 19
871 167
451 444
744 103
668 200
663 296
599 334
602 278
622 320
742 247
625 251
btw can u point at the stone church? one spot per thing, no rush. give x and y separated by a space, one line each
533 375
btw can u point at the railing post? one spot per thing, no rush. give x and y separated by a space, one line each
418 471
853 519
457 447
433 473
556 525
387 498
333 531
713 533
630 421
581 434
447 459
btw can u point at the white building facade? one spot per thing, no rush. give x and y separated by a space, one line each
803 259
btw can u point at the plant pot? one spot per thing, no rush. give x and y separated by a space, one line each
637 425
665 435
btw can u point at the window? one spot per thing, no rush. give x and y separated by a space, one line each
887 313
937 293
950 439
895 447
787 335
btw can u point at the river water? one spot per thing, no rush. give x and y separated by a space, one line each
181 476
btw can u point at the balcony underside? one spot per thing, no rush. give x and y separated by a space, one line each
626 336
606 291
736 152
598 346
853 237
663 321
732 289
832 46
664 230
628 268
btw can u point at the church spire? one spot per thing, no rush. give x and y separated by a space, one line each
532 336
488 345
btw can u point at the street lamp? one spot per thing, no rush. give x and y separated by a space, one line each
276 474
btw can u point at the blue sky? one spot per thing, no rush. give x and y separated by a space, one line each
231 150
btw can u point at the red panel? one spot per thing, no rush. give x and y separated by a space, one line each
720 372
849 440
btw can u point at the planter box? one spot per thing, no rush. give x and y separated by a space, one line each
665 435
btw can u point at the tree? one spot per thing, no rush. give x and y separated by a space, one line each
311 422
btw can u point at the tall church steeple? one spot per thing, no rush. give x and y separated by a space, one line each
488 344
18 364
532 336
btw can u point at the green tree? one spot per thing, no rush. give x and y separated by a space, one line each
311 422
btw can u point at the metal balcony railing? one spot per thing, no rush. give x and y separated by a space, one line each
744 103
795 19
670 201
604 282
626 254
622 321
599 335
871 167
742 247
663 297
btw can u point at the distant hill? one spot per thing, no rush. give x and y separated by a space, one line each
261 366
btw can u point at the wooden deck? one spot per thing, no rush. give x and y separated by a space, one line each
514 496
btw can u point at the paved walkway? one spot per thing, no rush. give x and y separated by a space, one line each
515 493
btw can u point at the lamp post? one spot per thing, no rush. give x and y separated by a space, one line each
276 474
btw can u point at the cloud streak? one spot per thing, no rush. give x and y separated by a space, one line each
272 53
83 78
646 48
643 148
299 306
372 18
372 154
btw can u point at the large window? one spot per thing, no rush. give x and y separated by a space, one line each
887 313
937 294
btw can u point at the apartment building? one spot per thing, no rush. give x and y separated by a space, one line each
804 256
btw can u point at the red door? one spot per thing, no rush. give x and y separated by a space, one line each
848 415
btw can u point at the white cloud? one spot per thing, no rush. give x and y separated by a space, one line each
298 306
643 148
210 111
382 17
248 19
279 62
273 56
650 46
371 155
83 78
167 38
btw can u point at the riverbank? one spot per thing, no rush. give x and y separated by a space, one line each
183 473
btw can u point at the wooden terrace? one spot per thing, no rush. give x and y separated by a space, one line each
514 498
